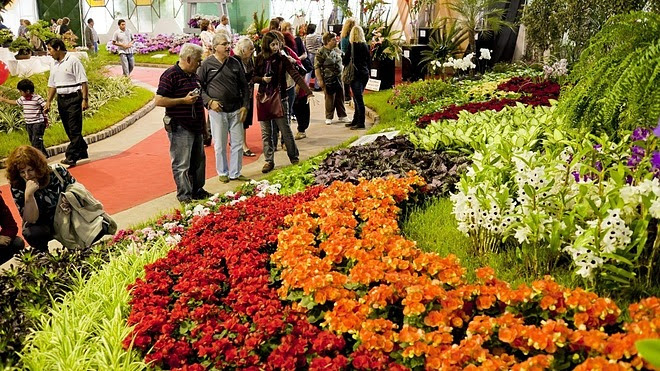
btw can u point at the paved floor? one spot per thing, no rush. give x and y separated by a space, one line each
319 137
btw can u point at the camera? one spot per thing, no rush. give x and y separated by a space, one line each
196 91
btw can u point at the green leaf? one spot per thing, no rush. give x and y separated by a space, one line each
618 258
649 349
618 271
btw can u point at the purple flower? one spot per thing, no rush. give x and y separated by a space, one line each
656 131
576 175
634 160
629 179
638 151
639 134
599 166
655 160
598 147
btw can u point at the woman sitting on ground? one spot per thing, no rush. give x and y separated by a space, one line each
36 190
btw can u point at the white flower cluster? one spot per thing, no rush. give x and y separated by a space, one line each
264 188
210 18
585 259
635 195
484 54
198 210
559 68
462 64
472 215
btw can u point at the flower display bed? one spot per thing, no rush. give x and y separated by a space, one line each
385 157
345 289
533 94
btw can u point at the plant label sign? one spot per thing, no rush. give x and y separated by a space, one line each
422 33
373 85
406 53
374 72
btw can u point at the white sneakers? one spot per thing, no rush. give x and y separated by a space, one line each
341 119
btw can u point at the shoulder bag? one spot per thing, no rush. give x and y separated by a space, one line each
269 102
349 72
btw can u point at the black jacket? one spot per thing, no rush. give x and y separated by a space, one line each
362 60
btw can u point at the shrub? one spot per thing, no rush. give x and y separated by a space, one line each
616 83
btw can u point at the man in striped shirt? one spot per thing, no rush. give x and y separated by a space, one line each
179 91
33 113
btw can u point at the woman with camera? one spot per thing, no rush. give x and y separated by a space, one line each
271 68
328 69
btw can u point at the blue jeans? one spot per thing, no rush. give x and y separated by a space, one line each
127 63
290 98
188 162
287 136
357 86
223 123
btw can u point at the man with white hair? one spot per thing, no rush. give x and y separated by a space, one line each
225 94
179 90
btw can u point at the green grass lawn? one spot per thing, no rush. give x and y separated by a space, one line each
169 59
433 226
107 116
390 117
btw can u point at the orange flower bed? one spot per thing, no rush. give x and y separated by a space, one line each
344 263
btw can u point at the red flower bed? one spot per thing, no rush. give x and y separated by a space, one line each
534 94
210 303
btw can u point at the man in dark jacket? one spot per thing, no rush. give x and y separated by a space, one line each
10 243
225 94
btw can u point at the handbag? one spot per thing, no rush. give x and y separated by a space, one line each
307 64
269 102
349 72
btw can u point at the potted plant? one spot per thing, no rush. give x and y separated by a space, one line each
385 45
476 16
40 33
5 37
22 47
445 42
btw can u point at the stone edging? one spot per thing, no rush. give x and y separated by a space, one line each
105 133
369 113
372 115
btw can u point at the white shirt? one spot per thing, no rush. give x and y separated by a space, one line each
207 39
123 37
226 27
67 75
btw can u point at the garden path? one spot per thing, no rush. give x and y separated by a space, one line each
130 172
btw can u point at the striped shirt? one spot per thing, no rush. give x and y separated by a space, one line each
176 83
33 108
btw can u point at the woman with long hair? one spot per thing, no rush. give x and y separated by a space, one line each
206 37
343 46
271 68
358 51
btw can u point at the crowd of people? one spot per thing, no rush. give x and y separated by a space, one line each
210 88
